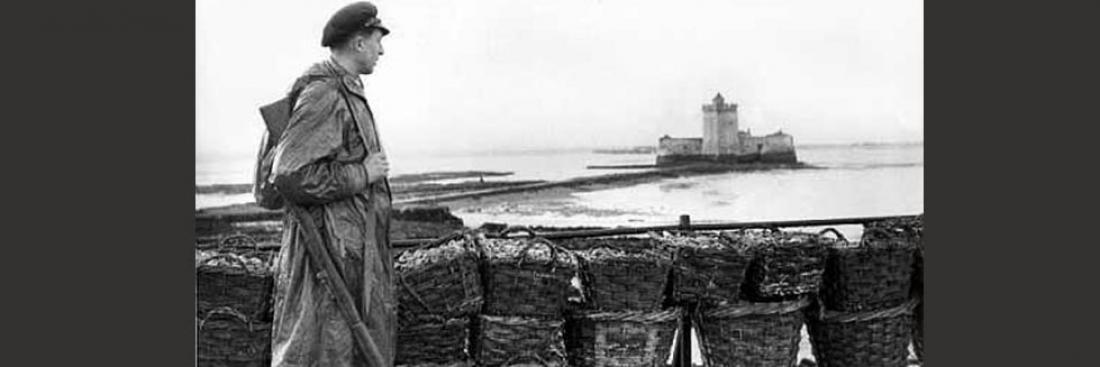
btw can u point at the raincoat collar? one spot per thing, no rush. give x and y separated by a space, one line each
351 83
337 69
350 80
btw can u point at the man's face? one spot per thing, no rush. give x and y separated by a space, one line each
368 49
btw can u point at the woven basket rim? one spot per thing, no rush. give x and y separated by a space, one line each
830 316
239 265
230 270
742 309
422 326
253 325
651 255
633 315
520 320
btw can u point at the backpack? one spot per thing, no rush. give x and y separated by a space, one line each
276 116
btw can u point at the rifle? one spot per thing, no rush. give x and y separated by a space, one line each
330 277
276 116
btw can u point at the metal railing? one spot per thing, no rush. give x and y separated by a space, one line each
686 225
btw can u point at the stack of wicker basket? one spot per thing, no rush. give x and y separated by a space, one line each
624 322
528 283
439 293
911 230
918 293
864 316
233 296
760 325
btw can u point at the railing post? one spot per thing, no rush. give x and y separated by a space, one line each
685 346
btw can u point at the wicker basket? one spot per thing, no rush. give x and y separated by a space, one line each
443 278
918 315
918 332
785 265
706 268
751 334
229 338
869 338
911 229
529 277
623 274
516 340
619 339
243 283
433 341
874 275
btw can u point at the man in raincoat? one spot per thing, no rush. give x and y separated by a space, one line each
329 162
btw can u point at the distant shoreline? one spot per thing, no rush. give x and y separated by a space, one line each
862 144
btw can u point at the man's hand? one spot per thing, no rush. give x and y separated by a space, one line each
377 167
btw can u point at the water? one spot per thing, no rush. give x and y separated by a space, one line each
854 181
543 165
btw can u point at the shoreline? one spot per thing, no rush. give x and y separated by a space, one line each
612 180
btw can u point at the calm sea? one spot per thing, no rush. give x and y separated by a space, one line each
854 181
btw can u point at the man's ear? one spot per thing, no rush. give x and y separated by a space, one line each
360 42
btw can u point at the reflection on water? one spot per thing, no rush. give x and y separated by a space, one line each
678 184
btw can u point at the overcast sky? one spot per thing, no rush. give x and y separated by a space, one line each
533 74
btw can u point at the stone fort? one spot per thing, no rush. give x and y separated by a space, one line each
722 142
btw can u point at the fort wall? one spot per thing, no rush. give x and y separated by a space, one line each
679 146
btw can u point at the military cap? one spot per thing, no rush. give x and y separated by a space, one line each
355 16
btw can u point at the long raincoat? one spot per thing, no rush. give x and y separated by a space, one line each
318 164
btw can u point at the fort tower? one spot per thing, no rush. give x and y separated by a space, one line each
720 128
